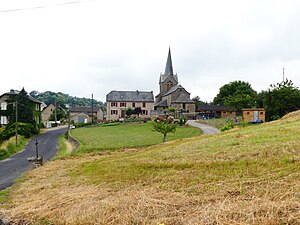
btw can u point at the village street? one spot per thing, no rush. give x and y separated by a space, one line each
13 167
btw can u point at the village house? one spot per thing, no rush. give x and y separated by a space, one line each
84 114
215 111
119 101
47 112
254 114
3 106
172 94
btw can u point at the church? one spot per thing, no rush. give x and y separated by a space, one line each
172 94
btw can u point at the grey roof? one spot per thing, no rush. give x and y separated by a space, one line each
183 98
168 69
215 108
173 89
15 92
169 66
84 109
162 103
130 96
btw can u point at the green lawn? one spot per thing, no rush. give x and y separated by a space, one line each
126 136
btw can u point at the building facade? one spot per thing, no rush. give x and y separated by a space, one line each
36 107
172 94
85 113
119 101
255 114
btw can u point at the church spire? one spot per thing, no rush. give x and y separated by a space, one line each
169 67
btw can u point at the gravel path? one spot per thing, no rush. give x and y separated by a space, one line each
206 129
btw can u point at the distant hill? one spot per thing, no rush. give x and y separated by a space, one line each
49 97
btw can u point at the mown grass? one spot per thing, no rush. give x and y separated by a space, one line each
126 136
9 147
243 176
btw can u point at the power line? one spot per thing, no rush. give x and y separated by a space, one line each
44 6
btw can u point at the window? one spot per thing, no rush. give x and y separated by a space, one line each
122 104
3 120
114 112
261 113
144 112
114 104
144 104
3 106
248 113
133 104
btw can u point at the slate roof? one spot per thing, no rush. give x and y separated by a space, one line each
84 109
215 108
15 92
162 103
130 96
168 69
183 98
173 89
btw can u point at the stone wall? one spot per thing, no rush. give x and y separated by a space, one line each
73 141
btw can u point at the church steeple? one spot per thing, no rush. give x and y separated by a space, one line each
169 66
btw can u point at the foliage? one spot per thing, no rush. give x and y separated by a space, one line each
129 111
181 121
238 94
227 126
198 102
137 111
171 109
9 147
62 99
60 115
164 127
280 99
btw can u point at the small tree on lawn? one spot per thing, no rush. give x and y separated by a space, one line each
164 127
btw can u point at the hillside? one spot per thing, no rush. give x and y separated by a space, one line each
242 176
49 97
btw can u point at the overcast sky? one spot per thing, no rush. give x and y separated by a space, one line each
97 46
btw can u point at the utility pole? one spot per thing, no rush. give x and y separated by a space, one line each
92 109
16 128
283 74
55 115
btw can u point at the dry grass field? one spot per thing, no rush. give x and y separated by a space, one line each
243 176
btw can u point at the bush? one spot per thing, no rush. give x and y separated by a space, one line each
227 126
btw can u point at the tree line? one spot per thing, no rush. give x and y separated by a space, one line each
278 100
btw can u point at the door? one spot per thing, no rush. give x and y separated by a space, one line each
255 116
123 113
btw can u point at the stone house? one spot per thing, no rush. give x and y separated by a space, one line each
119 101
172 94
47 112
3 107
89 111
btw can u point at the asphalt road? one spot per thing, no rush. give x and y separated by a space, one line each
206 129
13 167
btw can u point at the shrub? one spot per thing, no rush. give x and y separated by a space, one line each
227 126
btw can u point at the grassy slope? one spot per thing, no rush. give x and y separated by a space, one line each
125 136
242 176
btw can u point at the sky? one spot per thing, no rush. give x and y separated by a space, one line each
94 46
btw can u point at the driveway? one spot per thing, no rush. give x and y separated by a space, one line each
13 167
206 129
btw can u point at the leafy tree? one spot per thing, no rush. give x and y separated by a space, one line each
238 94
60 115
280 99
137 111
198 102
164 127
25 108
129 111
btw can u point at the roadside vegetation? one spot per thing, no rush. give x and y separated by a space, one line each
125 136
9 147
244 176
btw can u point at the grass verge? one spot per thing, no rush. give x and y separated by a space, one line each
9 147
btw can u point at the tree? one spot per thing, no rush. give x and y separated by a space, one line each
60 115
280 99
137 111
238 94
198 102
164 127
129 111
